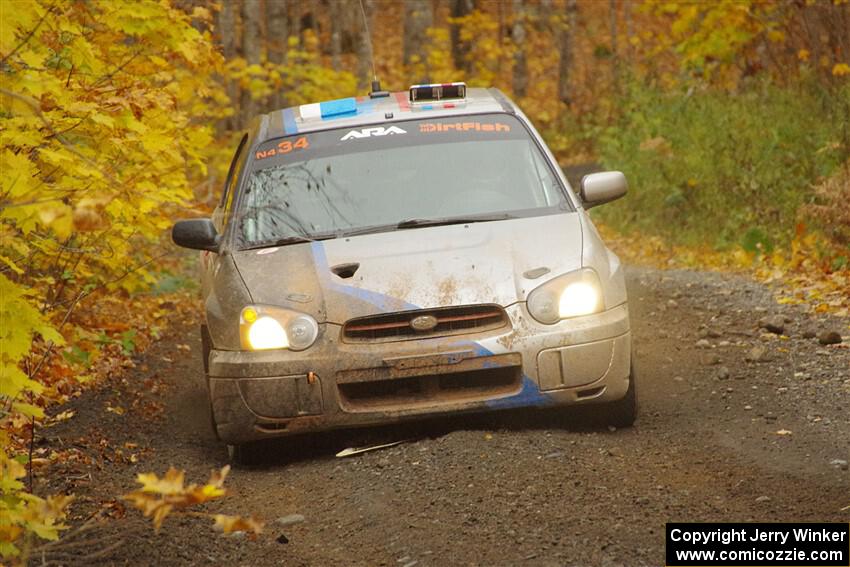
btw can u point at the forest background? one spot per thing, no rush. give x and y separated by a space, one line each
731 119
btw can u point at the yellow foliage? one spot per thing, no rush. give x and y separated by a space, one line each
480 30
798 274
107 112
159 497
23 515
841 69
96 151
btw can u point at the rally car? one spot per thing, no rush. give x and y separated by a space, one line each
402 255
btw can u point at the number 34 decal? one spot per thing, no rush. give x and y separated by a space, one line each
284 147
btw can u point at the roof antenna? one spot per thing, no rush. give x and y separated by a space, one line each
376 84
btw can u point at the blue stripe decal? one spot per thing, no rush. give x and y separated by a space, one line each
529 395
289 125
383 302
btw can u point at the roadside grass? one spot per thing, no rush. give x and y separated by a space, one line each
798 276
755 181
729 169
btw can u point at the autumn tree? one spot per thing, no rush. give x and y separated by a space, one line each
460 47
566 29
418 17
362 27
277 39
336 36
251 50
108 114
518 35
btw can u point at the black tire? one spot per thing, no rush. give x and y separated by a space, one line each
623 413
206 346
245 453
213 424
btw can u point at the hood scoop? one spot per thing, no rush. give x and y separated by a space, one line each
536 273
345 271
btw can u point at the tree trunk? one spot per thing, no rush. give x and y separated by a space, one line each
295 22
460 49
277 30
565 62
227 28
251 46
227 36
520 71
277 34
418 17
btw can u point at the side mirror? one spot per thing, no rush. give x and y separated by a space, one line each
197 234
600 188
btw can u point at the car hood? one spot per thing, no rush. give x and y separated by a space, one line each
486 262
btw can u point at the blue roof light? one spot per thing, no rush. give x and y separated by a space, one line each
339 106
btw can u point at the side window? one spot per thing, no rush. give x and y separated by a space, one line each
223 209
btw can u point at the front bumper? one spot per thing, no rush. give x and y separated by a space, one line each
333 384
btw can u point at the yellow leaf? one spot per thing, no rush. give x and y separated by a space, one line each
230 524
58 218
12 266
32 59
841 69
171 483
776 36
159 515
28 409
18 172
200 13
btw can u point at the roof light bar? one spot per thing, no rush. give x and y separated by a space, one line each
430 93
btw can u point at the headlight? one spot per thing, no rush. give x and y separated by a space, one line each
263 327
570 295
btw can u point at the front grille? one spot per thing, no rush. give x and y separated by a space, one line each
449 321
431 389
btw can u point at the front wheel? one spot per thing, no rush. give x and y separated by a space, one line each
623 412
245 453
206 347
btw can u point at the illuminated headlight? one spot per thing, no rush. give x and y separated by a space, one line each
263 327
570 295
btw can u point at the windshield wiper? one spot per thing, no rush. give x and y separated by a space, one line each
417 223
291 240
407 223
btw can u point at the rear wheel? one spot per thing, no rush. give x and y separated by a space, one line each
623 412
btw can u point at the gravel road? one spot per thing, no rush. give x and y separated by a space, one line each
737 423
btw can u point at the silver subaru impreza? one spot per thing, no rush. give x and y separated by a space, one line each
402 255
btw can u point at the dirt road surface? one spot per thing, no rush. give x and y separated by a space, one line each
736 424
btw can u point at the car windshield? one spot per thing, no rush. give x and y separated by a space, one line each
398 175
